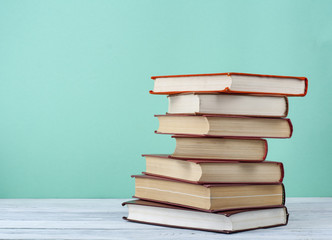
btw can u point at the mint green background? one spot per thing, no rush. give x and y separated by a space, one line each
75 113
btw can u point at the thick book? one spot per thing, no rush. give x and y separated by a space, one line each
224 222
231 83
212 171
220 148
225 126
228 104
209 197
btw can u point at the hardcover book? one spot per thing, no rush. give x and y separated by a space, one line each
194 147
212 171
208 197
231 83
225 126
228 104
224 222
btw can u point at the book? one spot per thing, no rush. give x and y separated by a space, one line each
225 126
231 83
212 171
193 147
225 222
208 197
228 104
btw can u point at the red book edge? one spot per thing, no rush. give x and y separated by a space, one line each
229 74
203 159
216 115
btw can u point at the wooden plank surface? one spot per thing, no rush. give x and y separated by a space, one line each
310 218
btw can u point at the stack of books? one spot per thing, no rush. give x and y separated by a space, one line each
217 179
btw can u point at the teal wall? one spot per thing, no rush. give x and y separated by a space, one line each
75 113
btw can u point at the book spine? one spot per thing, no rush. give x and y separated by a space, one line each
283 194
282 171
305 87
287 107
290 127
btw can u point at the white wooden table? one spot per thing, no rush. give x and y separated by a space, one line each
310 218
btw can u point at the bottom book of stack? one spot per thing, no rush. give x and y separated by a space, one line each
224 221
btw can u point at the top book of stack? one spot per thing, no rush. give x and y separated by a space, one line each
243 83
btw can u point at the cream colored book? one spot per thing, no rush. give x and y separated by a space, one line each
208 197
228 104
204 171
226 126
191 147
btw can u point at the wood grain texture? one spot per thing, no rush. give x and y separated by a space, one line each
310 218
